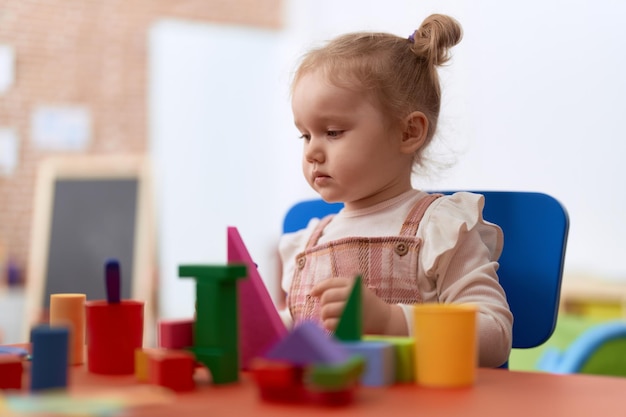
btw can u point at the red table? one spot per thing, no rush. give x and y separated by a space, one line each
497 393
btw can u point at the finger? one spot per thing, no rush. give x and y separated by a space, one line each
330 324
332 310
334 295
324 285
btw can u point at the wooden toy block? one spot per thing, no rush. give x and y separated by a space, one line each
334 385
216 322
176 334
260 325
223 364
307 343
69 310
279 381
50 352
380 362
173 370
336 377
11 369
404 348
113 281
216 340
14 350
334 398
350 326
142 362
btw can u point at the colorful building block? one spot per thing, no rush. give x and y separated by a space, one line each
175 334
337 398
69 310
279 381
336 376
14 350
216 336
404 348
335 384
142 362
113 281
260 325
350 326
50 353
11 370
172 369
380 362
221 362
307 343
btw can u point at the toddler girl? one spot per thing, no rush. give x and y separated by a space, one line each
366 105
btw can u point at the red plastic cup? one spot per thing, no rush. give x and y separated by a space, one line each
114 332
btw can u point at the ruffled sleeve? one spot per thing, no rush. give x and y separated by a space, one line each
450 217
459 258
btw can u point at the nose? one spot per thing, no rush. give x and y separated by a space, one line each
313 150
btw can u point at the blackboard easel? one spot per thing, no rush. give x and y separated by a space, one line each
89 209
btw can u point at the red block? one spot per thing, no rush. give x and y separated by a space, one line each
176 334
279 381
11 370
173 370
334 398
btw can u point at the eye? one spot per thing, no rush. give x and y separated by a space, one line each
334 133
305 137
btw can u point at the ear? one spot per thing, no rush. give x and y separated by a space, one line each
414 132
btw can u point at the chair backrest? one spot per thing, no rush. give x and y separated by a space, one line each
535 227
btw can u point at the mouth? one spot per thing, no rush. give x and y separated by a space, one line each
319 178
317 174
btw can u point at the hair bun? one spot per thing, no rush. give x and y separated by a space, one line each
434 38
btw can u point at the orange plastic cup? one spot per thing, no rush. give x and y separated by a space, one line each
446 345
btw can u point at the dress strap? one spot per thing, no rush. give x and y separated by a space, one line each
317 232
413 219
409 227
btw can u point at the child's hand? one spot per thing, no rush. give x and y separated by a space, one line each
333 294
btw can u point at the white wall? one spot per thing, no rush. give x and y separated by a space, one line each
533 100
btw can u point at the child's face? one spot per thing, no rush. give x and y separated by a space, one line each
350 154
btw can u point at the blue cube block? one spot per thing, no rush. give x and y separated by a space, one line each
49 361
380 361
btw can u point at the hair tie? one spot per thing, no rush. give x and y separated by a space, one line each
412 37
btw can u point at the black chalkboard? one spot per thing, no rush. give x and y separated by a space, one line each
93 220
89 209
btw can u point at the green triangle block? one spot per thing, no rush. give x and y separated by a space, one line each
350 327
333 377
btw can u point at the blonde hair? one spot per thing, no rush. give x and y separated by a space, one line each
399 74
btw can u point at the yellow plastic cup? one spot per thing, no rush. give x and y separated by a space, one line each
446 345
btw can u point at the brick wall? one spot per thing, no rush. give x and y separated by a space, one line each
89 53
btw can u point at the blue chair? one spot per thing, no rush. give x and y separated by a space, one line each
600 350
535 227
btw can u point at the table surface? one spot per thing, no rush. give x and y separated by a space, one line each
496 392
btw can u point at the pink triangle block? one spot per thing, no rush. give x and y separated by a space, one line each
260 325
308 344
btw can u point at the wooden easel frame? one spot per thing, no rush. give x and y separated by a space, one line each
143 276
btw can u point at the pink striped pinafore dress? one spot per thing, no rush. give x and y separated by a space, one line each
387 264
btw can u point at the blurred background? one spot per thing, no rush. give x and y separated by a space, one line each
533 99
